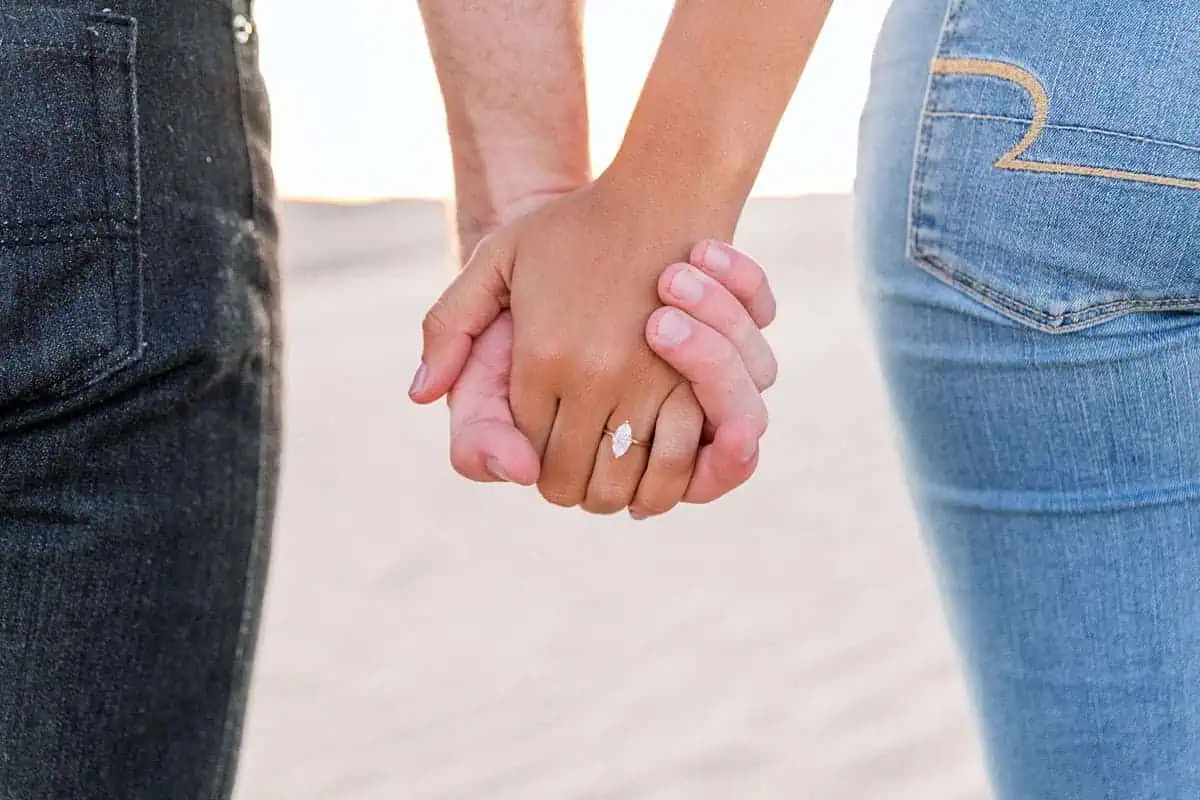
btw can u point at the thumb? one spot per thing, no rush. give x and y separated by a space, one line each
465 310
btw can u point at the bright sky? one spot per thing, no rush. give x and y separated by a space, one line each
357 112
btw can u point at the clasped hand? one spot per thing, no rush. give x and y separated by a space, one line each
589 313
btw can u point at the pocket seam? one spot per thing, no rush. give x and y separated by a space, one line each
1042 320
122 230
127 287
988 296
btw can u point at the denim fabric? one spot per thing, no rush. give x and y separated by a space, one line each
139 394
1027 215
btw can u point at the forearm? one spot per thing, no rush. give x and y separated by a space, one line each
720 83
512 78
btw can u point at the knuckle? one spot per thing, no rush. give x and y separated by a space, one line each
736 477
544 357
606 499
757 419
770 372
433 324
748 291
543 354
603 371
464 458
752 278
653 506
541 347
462 465
712 350
656 508
725 358
768 308
727 315
558 495
604 363
733 471
675 455
764 417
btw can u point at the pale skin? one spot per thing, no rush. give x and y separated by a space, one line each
578 264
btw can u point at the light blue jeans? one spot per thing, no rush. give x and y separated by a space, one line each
1028 225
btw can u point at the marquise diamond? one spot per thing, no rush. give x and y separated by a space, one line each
622 440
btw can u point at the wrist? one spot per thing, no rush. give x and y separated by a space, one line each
720 82
492 172
697 189
704 154
691 170
479 215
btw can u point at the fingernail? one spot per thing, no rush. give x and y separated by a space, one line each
686 286
673 328
716 258
749 449
637 516
418 381
497 471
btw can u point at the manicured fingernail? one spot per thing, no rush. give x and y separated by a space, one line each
673 328
686 286
637 516
418 382
717 258
749 449
497 471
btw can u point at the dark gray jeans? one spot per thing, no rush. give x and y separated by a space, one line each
139 394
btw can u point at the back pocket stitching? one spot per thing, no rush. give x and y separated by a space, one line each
1009 306
122 229
1041 113
1053 126
127 287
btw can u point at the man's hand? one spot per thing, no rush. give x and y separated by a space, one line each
725 357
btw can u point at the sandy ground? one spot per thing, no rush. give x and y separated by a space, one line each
426 638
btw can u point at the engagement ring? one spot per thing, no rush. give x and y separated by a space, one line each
622 439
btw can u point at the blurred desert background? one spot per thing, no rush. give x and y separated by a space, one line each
430 639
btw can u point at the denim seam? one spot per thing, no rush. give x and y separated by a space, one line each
1051 323
90 51
30 241
130 322
921 149
101 152
241 669
1075 128
65 222
254 571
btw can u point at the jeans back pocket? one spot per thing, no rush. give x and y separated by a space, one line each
70 288
1057 172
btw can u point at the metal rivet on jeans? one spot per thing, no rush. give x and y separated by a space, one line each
243 28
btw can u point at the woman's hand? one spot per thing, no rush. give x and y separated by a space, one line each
580 276
726 358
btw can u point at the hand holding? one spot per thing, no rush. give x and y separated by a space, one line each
580 276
